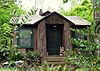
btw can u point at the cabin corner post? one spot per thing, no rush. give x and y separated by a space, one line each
67 35
41 38
44 39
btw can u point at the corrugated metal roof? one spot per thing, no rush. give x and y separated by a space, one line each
77 20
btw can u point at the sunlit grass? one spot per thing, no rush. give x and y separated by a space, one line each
8 69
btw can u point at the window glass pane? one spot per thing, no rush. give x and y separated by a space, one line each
25 42
25 37
80 36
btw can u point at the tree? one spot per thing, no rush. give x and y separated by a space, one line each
97 2
8 26
84 10
7 8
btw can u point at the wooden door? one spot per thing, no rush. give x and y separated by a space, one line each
53 35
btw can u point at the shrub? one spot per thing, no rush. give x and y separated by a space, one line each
33 58
44 67
85 62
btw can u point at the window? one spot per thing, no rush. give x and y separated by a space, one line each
25 38
77 35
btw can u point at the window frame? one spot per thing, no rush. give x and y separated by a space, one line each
80 36
74 35
32 37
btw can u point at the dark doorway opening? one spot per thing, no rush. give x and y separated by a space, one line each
54 38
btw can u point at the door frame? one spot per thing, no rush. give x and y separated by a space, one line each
60 26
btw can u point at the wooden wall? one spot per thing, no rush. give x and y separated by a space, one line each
66 40
67 35
54 19
41 38
40 34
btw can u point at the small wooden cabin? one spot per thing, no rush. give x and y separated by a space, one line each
48 32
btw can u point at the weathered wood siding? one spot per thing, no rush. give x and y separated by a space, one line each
35 38
41 38
66 40
54 19
67 35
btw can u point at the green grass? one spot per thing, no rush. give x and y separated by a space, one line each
8 69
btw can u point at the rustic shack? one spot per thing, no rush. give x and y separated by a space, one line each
48 32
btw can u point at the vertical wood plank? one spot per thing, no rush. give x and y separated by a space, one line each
41 38
67 35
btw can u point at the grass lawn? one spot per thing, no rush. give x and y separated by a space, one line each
8 69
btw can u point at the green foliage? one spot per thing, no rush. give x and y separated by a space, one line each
15 54
8 69
84 59
5 38
7 7
43 67
9 52
64 1
97 5
31 54
92 41
8 26
80 60
32 58
6 12
84 10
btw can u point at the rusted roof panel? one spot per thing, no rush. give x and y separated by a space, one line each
77 20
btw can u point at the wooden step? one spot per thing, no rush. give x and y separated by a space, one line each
56 60
56 63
